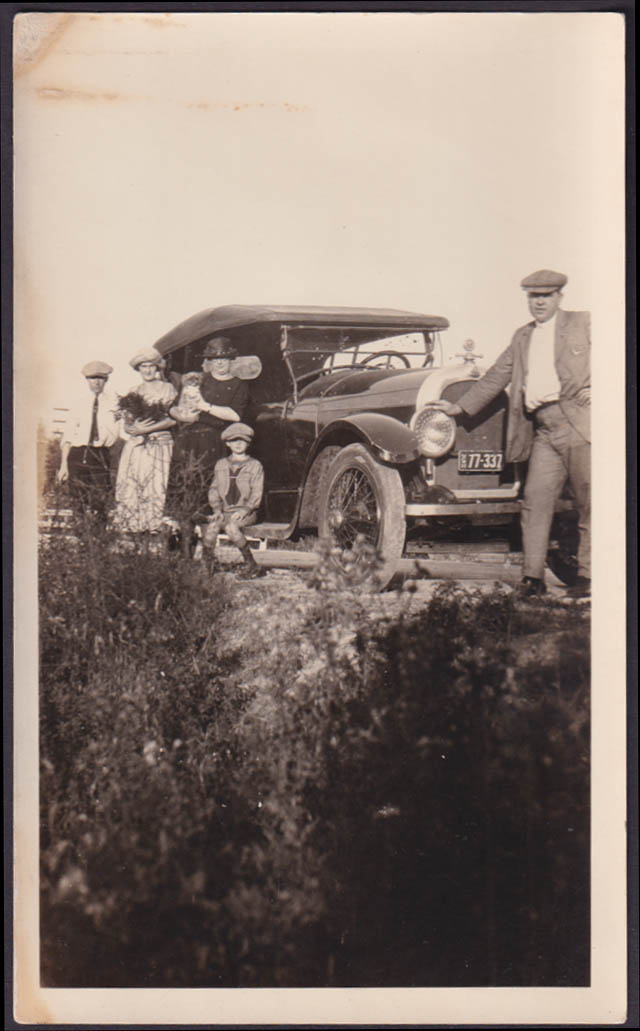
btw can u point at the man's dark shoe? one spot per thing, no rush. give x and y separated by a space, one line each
580 589
531 587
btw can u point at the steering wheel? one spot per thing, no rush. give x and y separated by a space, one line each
383 354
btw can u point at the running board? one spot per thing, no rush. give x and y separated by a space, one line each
269 531
464 508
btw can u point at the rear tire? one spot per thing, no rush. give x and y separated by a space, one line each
362 510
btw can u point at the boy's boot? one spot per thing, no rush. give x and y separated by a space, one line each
209 541
186 533
251 568
209 560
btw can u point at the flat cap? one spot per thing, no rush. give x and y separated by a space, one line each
219 347
94 369
148 354
544 281
237 431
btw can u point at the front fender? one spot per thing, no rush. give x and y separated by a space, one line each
389 439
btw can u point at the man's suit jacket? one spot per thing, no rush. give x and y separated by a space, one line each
573 365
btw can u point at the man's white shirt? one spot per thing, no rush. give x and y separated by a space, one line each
78 426
542 383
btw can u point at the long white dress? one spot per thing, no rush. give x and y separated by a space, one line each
143 472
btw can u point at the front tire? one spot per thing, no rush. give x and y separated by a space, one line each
362 510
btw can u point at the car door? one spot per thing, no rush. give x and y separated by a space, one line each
268 413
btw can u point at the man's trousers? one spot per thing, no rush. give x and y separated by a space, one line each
89 480
559 454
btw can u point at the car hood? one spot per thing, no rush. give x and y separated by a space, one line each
374 382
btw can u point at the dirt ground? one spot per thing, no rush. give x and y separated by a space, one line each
287 590
288 573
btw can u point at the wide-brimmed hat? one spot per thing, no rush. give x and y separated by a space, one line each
219 347
237 431
544 281
94 370
148 355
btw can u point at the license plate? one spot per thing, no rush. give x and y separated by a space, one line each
480 461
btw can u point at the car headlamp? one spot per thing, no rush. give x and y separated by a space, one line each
435 431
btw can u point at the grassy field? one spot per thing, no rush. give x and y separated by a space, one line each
291 783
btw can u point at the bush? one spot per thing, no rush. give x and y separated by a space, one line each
244 785
468 806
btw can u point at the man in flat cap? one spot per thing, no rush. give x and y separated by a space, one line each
548 367
91 430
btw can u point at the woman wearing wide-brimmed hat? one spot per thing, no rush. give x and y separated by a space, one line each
143 472
198 443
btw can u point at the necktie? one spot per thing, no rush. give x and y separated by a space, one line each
233 494
93 435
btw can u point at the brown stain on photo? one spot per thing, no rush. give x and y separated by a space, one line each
55 93
205 105
58 93
114 53
34 37
166 20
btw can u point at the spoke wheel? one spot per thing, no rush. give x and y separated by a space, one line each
362 510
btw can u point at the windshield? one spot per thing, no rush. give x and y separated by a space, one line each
310 349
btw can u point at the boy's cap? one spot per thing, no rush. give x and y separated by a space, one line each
219 347
237 431
94 369
544 281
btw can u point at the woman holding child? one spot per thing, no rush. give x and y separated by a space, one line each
198 445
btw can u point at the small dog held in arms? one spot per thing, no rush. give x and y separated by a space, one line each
190 402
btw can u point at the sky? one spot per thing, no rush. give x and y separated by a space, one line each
168 163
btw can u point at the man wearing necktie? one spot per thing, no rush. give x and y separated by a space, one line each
548 367
90 432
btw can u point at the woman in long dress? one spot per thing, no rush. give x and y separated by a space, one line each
198 444
143 472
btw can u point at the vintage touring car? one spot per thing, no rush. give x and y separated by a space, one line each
344 427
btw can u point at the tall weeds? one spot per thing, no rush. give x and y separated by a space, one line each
244 786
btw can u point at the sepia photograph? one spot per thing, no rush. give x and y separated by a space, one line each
319 671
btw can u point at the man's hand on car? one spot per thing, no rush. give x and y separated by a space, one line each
448 407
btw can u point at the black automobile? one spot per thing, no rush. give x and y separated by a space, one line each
344 426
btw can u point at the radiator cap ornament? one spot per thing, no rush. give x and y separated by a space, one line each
469 356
